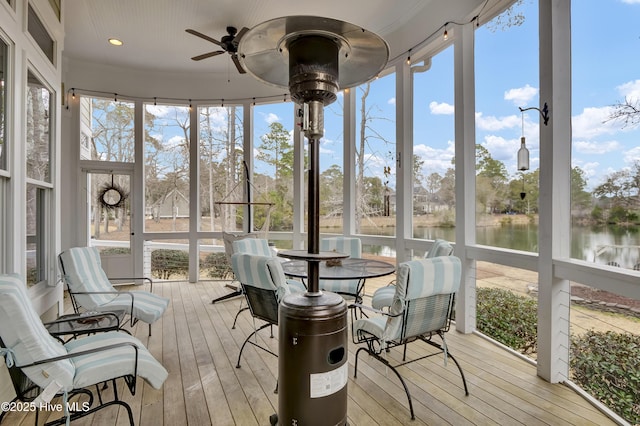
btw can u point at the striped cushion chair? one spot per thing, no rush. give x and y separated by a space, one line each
260 247
349 289
383 296
91 290
68 368
422 307
264 285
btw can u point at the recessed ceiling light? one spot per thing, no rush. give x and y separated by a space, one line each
115 42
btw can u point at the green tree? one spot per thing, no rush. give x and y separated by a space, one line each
331 183
276 150
491 181
447 192
580 198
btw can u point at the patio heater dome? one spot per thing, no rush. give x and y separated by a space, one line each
313 57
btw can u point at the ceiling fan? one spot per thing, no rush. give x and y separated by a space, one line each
228 43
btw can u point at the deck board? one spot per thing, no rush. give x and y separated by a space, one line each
195 343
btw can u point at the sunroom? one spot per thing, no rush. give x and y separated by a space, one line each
141 151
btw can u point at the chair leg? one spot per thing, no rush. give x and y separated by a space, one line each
247 340
355 366
464 381
404 385
240 310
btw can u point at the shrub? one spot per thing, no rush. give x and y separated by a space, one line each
217 266
605 364
165 263
508 318
115 250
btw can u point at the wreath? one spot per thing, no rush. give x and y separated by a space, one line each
112 196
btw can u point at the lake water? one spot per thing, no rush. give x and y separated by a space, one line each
594 244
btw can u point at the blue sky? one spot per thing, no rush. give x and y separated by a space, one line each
605 70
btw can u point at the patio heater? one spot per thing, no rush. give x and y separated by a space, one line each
314 58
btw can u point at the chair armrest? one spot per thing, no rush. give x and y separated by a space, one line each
84 315
135 278
126 293
369 308
85 352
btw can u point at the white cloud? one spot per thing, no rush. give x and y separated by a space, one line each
271 118
502 149
441 108
598 148
174 142
159 110
593 122
392 101
325 151
590 170
631 1
521 95
631 89
492 123
633 154
435 160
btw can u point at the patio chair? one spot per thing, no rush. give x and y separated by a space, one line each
258 247
37 361
383 296
228 238
348 289
422 308
264 285
90 289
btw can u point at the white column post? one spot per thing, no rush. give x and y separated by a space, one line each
194 199
349 162
138 190
465 158
404 158
554 235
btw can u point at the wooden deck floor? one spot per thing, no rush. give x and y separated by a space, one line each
196 344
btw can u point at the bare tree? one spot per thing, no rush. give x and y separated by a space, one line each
627 112
367 133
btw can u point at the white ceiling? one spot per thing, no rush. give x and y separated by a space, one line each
153 31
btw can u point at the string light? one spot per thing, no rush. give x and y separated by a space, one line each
190 105
154 99
222 103
73 93
409 57
445 36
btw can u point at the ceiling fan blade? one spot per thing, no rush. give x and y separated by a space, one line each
207 55
206 37
241 70
241 33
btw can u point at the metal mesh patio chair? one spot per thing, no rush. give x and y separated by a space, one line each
422 309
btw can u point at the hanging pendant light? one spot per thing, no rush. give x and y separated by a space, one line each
523 156
523 152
